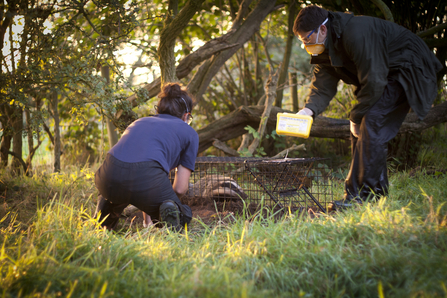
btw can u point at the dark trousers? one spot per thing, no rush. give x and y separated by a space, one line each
368 173
143 184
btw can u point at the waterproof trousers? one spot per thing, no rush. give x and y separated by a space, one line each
368 176
143 184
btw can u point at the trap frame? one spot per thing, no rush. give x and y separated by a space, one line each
294 183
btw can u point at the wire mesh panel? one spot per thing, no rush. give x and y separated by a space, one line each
224 178
290 182
294 182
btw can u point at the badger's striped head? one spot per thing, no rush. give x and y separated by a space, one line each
217 187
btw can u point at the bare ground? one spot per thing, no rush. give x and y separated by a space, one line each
209 212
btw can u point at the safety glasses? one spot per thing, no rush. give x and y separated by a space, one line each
189 118
307 38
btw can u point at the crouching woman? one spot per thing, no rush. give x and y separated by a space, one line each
136 169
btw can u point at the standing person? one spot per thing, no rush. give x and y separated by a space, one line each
136 169
393 70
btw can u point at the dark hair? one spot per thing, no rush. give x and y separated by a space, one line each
174 100
309 18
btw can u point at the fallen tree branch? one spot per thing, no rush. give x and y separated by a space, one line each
283 154
224 148
432 30
233 124
286 152
270 91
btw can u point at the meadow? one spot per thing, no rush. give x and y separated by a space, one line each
52 247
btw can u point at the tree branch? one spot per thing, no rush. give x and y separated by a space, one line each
229 43
242 34
243 9
436 42
285 152
384 9
232 125
222 146
17 157
432 30
186 65
270 91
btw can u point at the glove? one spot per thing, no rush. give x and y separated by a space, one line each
355 129
306 112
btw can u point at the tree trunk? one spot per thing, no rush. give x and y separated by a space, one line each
57 135
30 140
166 55
293 83
174 23
4 149
5 145
258 78
17 142
282 80
111 129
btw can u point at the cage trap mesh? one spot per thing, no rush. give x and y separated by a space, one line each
290 182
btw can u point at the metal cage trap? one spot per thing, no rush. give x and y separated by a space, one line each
294 183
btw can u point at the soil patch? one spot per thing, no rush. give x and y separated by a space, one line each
211 212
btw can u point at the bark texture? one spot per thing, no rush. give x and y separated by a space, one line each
270 91
282 80
57 134
174 24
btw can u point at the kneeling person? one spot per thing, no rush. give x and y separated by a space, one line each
136 170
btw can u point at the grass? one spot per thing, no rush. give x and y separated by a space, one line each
52 247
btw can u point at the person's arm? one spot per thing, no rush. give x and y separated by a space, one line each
181 180
323 88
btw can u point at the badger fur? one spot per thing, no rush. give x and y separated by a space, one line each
217 187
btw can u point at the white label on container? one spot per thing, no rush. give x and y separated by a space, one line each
293 124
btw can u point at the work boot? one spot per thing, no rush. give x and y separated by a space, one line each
170 214
345 203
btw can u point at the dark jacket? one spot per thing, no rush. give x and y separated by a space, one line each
365 51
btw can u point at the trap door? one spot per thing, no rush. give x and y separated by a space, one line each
286 181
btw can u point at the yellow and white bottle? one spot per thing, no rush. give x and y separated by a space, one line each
293 125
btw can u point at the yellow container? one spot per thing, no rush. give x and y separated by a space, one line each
293 125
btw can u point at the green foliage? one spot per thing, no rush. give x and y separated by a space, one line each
66 56
394 248
260 152
63 61
433 150
252 131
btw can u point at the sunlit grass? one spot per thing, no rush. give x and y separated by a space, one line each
397 246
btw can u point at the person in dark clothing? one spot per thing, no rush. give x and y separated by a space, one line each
136 170
393 70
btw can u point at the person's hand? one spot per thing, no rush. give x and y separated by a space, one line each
306 112
355 129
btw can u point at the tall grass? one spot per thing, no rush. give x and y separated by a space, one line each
394 248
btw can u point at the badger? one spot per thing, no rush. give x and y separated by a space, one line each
216 187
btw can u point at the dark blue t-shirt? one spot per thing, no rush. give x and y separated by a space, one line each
162 138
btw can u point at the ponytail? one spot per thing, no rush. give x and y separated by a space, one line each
174 100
